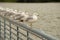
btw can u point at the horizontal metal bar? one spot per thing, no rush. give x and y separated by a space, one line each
13 34
5 23
20 33
8 26
11 37
8 35
26 36
11 27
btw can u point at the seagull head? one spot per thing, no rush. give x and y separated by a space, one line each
36 14
7 9
1 8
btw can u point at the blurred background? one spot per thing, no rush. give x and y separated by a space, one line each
30 1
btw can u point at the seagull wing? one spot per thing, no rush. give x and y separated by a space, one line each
29 18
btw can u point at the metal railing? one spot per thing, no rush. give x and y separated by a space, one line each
12 30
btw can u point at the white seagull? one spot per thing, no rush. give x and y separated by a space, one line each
22 16
2 11
16 14
1 8
32 18
9 12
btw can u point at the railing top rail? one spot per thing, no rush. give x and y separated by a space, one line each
36 32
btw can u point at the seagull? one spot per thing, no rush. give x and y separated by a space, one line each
24 17
2 9
8 9
8 12
21 17
17 14
32 18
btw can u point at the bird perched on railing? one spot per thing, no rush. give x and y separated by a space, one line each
2 11
32 18
8 12
25 17
21 16
1 8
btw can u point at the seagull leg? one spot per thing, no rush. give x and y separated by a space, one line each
31 25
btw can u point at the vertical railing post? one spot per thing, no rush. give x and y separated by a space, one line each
17 33
27 35
0 27
4 28
10 29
